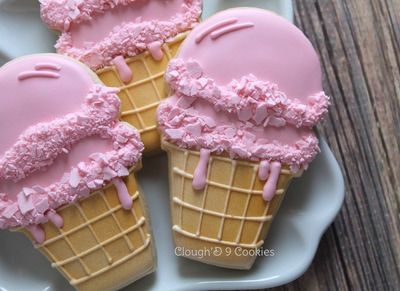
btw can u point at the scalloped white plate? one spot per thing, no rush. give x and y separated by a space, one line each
309 208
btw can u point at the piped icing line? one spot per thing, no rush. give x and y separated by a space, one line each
200 36
127 40
38 146
47 66
38 74
200 173
218 33
251 99
125 73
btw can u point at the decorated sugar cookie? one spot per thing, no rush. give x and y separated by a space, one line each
67 171
128 43
246 93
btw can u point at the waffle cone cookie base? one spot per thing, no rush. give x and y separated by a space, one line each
102 246
141 97
229 215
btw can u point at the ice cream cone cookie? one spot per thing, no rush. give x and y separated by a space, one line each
246 91
129 44
67 173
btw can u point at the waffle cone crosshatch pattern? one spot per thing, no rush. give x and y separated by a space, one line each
141 97
229 213
102 246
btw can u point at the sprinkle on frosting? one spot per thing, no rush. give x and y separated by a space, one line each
253 105
40 145
249 98
189 129
127 39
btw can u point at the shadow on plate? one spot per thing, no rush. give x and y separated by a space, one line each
34 264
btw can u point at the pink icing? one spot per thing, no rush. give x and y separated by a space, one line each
260 104
273 50
201 114
200 174
37 233
123 194
60 14
40 145
263 170
270 186
210 29
36 100
96 31
123 69
248 83
249 98
155 50
55 219
60 157
101 24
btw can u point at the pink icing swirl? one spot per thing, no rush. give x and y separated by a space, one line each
252 106
38 147
127 39
248 98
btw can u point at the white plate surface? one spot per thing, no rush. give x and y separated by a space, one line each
309 208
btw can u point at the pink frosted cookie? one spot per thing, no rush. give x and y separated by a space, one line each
64 152
246 92
128 43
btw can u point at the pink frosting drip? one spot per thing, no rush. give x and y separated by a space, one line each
251 103
127 39
38 147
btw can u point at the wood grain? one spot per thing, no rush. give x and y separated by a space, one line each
359 45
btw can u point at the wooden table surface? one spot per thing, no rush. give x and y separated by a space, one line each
359 45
